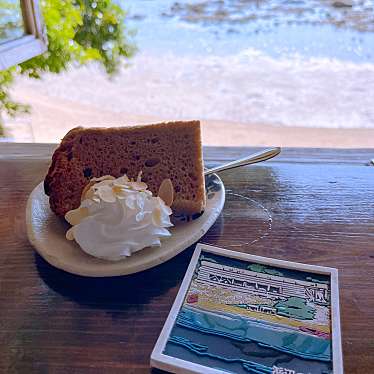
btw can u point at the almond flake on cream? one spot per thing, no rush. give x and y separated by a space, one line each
118 217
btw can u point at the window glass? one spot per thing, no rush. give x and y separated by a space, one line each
11 24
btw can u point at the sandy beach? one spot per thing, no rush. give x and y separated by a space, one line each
53 116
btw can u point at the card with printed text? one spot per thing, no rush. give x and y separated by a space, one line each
238 313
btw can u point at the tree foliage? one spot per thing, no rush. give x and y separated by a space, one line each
259 268
79 32
295 307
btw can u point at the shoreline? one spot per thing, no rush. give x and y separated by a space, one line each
277 321
52 117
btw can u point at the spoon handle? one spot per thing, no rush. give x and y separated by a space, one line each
251 159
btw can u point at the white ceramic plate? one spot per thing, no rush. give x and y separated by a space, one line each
46 233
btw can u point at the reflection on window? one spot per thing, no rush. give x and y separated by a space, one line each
11 25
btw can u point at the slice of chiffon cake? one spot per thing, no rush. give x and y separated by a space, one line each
160 151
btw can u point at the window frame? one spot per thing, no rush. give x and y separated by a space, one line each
33 43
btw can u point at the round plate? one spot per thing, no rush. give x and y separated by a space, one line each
46 233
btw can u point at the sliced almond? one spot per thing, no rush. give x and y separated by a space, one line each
93 181
166 192
86 189
69 234
103 178
75 216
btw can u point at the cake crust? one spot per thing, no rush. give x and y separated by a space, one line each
160 151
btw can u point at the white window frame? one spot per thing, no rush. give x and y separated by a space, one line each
33 43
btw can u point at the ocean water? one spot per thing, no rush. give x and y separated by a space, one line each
236 344
303 63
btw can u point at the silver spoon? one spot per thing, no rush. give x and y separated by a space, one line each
251 159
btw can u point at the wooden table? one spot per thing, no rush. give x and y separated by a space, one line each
307 205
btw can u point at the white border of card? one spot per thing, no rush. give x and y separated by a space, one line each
178 366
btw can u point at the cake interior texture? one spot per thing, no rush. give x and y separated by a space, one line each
165 150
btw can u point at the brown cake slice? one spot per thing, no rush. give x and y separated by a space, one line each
165 150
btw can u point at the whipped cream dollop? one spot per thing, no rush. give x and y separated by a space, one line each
118 217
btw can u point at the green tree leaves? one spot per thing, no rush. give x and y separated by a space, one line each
295 307
259 268
79 32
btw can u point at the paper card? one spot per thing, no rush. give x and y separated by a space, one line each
238 313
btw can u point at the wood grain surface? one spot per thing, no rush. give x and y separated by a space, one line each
307 205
